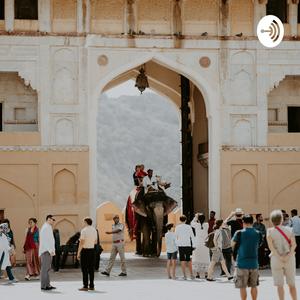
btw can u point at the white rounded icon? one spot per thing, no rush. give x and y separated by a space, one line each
270 31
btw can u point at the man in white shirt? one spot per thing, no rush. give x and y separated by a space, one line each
185 241
86 254
117 247
148 182
46 252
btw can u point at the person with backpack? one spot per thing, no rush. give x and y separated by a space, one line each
226 247
282 243
201 253
217 255
247 242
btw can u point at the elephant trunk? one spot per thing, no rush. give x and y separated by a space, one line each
159 220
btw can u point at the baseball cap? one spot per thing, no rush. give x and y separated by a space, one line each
239 211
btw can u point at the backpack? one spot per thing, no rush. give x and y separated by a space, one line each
226 238
209 241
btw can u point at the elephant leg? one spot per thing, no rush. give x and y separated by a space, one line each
146 239
138 240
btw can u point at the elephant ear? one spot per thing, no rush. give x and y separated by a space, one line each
169 205
139 205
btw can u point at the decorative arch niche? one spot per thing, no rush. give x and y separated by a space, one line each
64 187
244 190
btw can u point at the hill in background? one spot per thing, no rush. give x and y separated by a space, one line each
134 130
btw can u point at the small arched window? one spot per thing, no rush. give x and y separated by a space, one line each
278 8
26 9
1 9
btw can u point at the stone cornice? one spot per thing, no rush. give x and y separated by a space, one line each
44 148
261 148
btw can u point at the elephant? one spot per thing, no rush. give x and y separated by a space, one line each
149 212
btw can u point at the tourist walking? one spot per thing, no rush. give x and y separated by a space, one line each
31 248
247 242
185 243
171 247
217 255
282 244
200 256
295 224
5 249
226 247
86 254
117 247
46 252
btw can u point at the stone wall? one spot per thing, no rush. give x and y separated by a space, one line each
36 181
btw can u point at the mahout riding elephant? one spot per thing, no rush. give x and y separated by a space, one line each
145 219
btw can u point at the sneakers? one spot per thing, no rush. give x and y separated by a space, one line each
230 277
27 277
48 288
83 289
105 273
122 274
210 279
91 288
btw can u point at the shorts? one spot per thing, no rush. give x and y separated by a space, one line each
246 278
185 253
217 255
281 270
172 255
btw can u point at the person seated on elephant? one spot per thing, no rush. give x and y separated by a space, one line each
148 182
135 175
162 185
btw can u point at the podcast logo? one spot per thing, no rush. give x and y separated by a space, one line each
270 31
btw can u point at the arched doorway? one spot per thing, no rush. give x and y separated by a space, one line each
195 127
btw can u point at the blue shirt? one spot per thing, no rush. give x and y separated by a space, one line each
248 241
295 224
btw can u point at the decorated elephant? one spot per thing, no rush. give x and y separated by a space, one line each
145 216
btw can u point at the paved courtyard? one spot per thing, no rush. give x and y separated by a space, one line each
146 281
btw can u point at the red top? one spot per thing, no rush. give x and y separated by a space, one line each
211 223
141 174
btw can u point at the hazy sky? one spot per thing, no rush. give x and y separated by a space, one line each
126 88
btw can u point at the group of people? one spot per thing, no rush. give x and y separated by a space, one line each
145 180
236 243
240 245
40 249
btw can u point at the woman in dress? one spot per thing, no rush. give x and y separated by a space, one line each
31 248
201 253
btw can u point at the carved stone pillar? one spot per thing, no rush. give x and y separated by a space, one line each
44 7
260 10
9 15
224 21
130 17
293 16
83 16
87 11
177 18
80 17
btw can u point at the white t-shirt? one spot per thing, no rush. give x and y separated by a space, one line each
170 239
88 236
47 243
279 242
184 235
